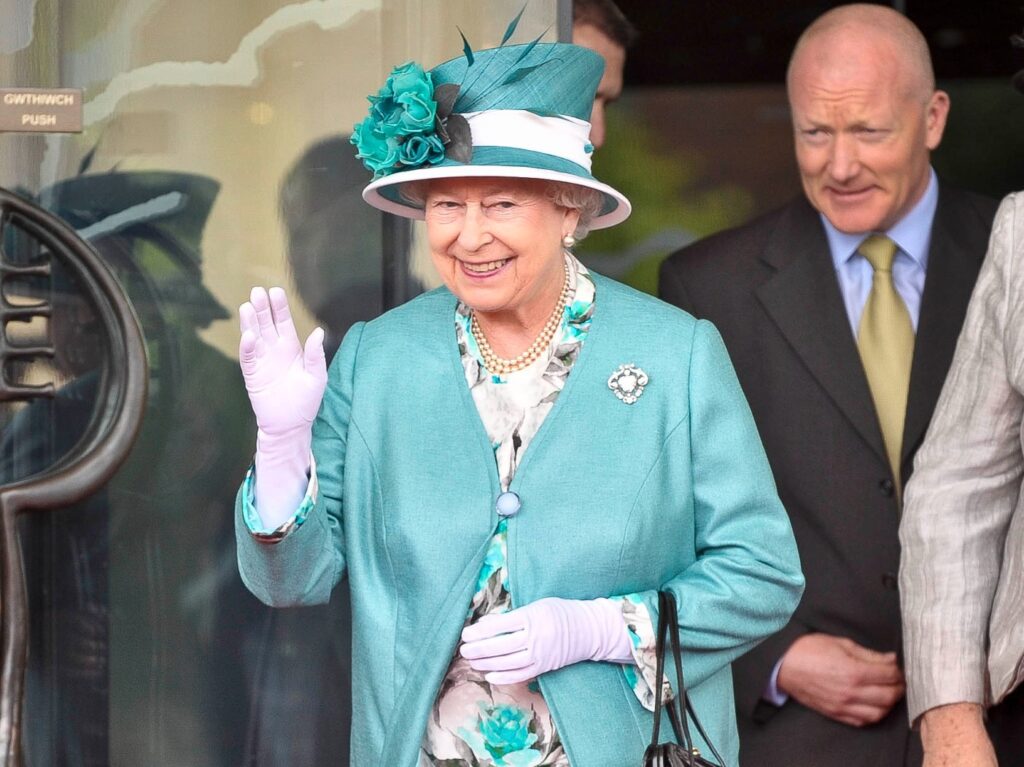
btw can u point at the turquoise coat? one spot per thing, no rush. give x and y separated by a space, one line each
673 491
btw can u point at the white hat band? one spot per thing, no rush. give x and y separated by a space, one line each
564 137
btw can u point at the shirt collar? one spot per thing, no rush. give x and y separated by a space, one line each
912 233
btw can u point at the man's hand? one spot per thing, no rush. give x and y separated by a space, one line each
955 736
841 679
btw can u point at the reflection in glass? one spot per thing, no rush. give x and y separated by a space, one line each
329 233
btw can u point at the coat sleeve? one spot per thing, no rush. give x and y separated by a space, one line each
965 487
304 566
746 579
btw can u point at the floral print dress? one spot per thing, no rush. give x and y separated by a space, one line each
474 723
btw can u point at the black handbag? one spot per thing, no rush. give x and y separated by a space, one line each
682 753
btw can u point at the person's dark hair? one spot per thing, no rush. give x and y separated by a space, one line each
1018 79
606 17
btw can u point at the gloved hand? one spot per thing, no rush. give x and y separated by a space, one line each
286 384
546 635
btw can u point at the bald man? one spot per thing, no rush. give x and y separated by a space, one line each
841 312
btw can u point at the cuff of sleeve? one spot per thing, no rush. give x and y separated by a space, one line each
772 694
252 517
642 636
944 691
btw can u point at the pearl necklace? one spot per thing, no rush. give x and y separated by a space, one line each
501 366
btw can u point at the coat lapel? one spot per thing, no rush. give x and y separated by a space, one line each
804 301
953 264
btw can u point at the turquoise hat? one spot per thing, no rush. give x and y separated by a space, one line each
516 111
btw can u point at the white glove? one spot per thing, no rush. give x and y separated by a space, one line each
546 635
286 385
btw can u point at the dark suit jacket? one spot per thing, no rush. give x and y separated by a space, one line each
770 288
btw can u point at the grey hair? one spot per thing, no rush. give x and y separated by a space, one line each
414 192
589 202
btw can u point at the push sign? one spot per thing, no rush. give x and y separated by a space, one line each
41 110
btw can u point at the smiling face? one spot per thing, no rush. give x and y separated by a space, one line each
497 244
865 128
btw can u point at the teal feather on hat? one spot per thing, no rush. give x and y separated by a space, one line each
552 78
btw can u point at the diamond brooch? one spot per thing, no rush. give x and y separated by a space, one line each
628 383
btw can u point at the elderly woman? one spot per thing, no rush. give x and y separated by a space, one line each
510 467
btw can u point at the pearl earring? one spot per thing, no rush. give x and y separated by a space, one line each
568 241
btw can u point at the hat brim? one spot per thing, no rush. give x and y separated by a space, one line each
383 193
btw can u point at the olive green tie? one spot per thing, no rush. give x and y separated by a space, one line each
886 345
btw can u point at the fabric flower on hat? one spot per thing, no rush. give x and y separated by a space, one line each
377 152
405 127
421 150
405 105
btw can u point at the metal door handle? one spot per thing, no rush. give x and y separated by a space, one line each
108 439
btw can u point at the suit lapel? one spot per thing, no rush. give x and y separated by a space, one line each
953 264
804 301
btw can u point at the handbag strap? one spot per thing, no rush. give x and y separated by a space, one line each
659 667
667 604
668 621
667 608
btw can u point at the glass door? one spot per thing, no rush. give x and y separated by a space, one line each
213 155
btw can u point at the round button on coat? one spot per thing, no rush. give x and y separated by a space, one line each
507 504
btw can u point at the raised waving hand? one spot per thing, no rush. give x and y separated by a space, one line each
286 383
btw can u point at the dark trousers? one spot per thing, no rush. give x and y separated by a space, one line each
1006 727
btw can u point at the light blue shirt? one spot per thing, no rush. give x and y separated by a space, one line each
912 235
